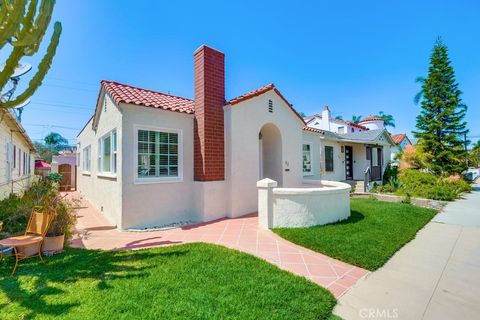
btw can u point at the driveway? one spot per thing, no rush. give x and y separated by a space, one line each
243 234
435 276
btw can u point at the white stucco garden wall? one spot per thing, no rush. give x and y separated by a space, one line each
243 123
103 192
319 203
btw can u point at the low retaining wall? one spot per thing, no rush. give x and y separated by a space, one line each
426 203
315 203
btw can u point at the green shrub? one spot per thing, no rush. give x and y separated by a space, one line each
55 177
15 210
420 184
391 171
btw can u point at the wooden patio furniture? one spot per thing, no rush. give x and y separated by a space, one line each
37 228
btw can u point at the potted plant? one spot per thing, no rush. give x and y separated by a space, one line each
61 227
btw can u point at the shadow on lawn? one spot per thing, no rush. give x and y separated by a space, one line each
355 217
34 281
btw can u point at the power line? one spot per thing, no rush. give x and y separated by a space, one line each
74 81
69 88
62 105
49 125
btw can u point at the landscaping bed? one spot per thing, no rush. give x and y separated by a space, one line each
372 234
191 281
415 183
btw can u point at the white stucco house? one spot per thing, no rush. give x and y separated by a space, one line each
17 156
148 158
401 140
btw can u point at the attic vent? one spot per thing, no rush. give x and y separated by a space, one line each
270 106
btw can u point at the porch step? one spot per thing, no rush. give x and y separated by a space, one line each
357 185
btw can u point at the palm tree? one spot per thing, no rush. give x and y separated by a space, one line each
356 119
419 94
339 117
388 120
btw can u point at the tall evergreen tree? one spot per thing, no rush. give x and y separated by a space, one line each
441 127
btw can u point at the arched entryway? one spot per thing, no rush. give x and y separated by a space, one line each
270 153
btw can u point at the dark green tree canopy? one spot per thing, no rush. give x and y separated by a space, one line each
441 127
53 143
23 24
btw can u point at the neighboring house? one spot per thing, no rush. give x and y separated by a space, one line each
353 147
17 155
401 140
151 159
66 165
324 121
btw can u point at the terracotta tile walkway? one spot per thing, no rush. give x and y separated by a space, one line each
95 232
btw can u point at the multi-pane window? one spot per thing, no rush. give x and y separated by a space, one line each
328 158
157 154
107 155
87 159
307 159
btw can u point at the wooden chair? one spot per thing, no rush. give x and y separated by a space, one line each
37 228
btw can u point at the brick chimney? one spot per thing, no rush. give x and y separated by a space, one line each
209 144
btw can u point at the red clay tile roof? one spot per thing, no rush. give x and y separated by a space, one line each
371 118
251 94
148 98
307 128
398 138
353 124
260 91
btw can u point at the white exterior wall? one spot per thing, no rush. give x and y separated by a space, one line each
104 193
373 124
338 173
243 123
155 204
313 139
13 179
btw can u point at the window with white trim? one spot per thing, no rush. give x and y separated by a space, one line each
86 159
307 159
107 155
158 155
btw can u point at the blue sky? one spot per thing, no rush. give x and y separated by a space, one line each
358 57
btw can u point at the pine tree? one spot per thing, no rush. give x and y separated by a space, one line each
440 125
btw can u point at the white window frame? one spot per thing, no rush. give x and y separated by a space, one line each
87 159
112 173
308 173
152 180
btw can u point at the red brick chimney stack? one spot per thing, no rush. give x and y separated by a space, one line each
209 144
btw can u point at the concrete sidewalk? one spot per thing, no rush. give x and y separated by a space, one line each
435 276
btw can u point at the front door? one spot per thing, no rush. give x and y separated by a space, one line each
348 163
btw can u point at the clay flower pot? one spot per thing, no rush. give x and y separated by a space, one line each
53 244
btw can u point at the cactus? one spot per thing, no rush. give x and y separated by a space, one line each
24 31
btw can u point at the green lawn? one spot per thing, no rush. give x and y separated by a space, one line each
192 281
372 234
